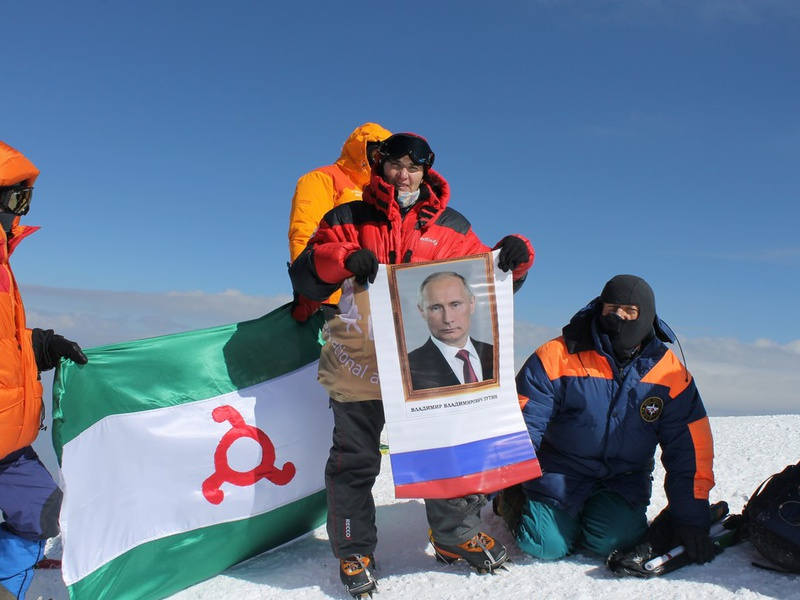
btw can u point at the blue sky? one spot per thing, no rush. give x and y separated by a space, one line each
647 137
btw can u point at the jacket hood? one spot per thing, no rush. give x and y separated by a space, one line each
578 332
15 168
353 159
434 196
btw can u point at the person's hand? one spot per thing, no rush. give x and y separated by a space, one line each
49 348
513 253
696 541
363 264
303 308
61 347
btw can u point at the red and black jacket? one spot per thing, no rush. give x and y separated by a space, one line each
429 230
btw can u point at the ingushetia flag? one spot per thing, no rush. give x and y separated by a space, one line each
185 454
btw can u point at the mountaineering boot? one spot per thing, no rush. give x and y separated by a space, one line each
356 576
481 552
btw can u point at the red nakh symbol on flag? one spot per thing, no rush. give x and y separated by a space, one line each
225 474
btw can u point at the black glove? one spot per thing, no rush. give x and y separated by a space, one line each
363 264
696 541
513 253
49 348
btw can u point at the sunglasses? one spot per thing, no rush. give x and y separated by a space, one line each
413 146
16 200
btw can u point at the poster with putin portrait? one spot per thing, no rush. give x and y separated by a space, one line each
443 334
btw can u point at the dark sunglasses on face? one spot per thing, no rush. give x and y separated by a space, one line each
416 148
16 200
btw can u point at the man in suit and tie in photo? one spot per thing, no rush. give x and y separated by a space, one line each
450 356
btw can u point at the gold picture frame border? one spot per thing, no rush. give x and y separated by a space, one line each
412 395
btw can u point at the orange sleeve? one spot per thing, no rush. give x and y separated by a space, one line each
313 197
703 442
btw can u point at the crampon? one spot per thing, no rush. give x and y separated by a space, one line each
481 551
357 577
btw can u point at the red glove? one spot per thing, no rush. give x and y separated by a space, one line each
303 308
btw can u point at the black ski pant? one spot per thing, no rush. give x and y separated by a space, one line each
350 473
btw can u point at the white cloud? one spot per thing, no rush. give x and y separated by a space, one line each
99 317
528 337
734 377
738 378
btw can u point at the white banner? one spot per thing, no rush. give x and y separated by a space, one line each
453 419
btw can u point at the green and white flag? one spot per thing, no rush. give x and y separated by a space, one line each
185 454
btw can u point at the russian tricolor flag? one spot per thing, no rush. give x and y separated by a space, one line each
482 466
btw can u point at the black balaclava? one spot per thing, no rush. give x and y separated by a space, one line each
627 336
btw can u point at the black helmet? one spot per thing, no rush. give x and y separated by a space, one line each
406 144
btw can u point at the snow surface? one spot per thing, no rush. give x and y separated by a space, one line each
748 450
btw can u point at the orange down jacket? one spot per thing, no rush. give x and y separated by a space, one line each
322 189
20 388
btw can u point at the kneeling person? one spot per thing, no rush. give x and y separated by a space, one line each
597 401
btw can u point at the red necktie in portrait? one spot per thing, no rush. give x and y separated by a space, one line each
469 373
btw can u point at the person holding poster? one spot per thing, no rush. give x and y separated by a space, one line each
450 356
404 217
597 401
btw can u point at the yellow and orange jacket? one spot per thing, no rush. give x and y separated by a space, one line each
324 188
20 388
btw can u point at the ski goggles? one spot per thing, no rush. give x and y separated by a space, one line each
407 144
16 200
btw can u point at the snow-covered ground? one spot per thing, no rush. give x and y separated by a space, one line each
748 449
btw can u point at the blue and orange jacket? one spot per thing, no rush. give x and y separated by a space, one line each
594 424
